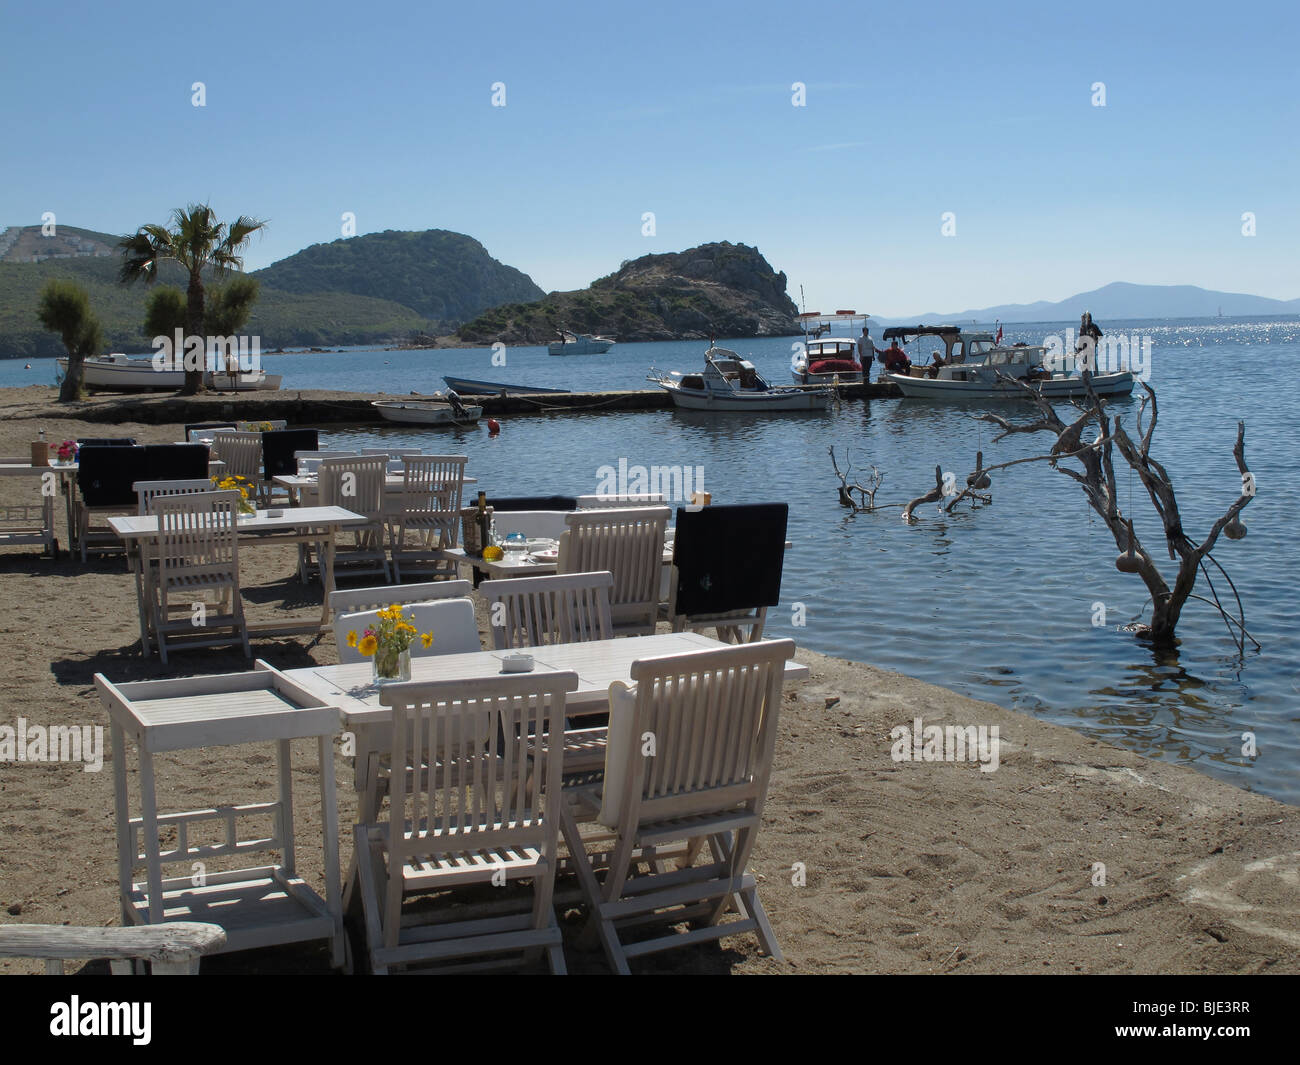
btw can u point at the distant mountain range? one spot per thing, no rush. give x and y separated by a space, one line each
378 288
1124 300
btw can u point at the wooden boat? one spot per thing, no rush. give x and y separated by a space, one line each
731 384
426 412
467 387
974 366
117 373
823 359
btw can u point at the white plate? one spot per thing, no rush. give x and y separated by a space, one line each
552 555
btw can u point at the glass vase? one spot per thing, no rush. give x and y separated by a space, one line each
392 666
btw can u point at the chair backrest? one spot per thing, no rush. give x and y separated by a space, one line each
351 600
203 432
713 716
728 557
280 449
629 543
451 621
433 483
535 524
174 462
596 502
242 454
356 484
533 611
483 788
147 491
197 536
106 474
500 504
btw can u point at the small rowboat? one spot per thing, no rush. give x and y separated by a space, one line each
416 412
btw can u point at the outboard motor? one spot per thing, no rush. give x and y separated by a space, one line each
456 405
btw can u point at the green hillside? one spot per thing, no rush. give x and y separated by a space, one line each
446 277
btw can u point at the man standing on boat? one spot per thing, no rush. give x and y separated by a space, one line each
1089 334
866 353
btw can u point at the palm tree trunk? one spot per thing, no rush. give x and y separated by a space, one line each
194 328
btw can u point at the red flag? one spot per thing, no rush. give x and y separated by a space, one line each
998 339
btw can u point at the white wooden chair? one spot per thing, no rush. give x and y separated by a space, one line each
534 611
429 517
197 554
474 815
534 524
173 949
242 454
629 543
637 499
147 491
351 600
690 754
357 484
452 622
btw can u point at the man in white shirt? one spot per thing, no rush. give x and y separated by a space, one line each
866 353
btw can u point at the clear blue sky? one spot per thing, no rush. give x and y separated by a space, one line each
684 109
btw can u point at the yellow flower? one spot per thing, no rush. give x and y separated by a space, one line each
352 638
368 645
427 639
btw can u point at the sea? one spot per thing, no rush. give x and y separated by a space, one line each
1017 602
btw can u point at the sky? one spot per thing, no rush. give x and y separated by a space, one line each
984 116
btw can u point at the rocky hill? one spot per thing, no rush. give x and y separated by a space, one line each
723 289
446 277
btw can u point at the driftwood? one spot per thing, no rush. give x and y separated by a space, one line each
1098 482
173 948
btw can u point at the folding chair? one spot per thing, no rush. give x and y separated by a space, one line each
629 543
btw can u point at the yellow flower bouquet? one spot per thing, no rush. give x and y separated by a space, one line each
235 483
388 641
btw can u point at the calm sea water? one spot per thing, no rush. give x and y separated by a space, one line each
997 603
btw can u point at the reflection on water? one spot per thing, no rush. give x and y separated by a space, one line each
998 602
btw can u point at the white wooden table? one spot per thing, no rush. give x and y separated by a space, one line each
261 906
598 664
33 523
293 525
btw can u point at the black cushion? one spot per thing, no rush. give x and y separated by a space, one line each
729 557
106 474
175 462
279 445
509 503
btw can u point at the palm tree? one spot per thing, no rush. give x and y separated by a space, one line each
195 240
65 309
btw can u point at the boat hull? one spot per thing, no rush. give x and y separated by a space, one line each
1115 384
139 375
466 387
849 377
751 403
579 347
411 413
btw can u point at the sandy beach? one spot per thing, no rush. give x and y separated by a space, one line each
866 864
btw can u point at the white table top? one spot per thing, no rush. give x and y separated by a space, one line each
138 526
598 664
299 481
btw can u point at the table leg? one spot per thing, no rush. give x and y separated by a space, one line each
125 857
330 832
325 550
149 830
285 759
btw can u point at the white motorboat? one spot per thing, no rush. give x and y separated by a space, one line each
975 366
730 383
826 360
425 412
118 373
579 344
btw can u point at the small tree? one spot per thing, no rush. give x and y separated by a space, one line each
164 312
65 309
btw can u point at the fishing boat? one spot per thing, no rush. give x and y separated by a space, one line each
823 359
426 412
118 373
730 383
579 344
975 366
467 387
